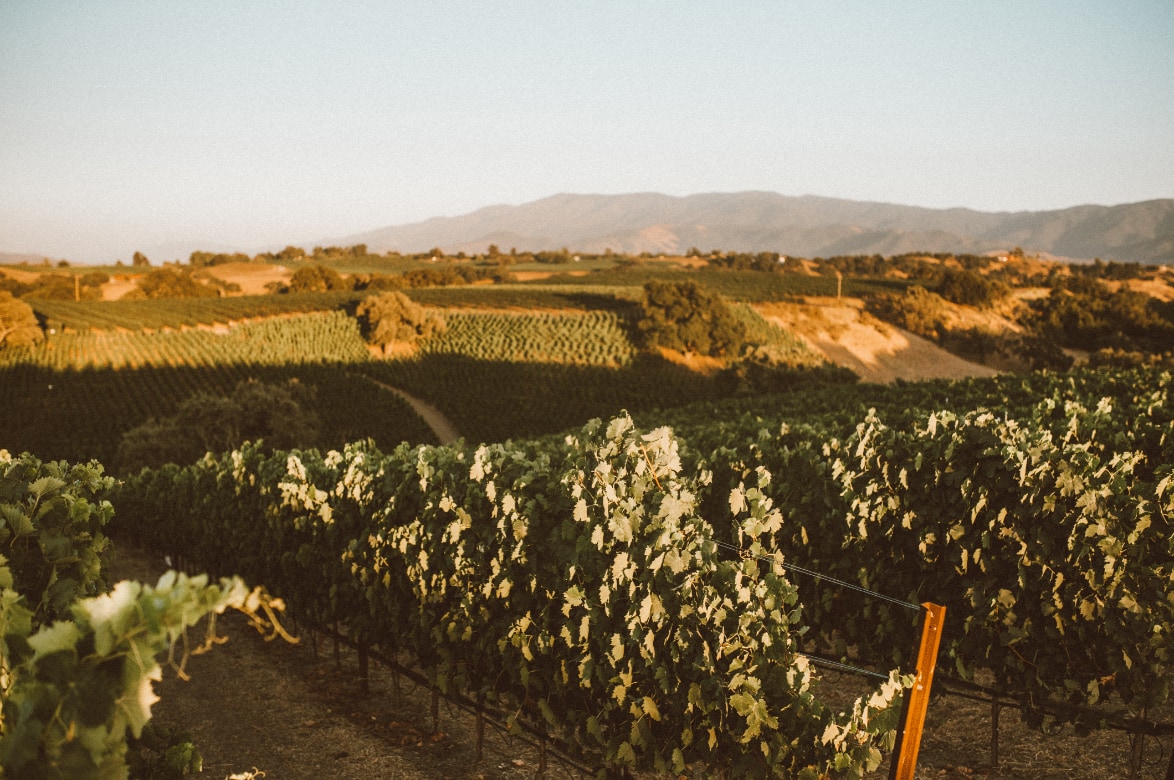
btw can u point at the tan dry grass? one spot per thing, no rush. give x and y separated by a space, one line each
848 336
252 277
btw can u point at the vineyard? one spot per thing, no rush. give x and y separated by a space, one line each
1045 529
576 585
593 338
79 415
500 375
496 374
1044 526
307 338
625 587
175 313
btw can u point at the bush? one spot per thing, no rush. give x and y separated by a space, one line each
918 311
171 282
971 289
278 414
394 317
18 323
683 316
316 278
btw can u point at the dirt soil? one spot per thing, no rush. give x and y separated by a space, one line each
847 335
252 277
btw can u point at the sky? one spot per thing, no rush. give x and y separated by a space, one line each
128 126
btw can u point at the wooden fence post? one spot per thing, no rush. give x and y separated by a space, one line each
917 698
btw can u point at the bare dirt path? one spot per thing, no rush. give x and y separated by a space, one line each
445 431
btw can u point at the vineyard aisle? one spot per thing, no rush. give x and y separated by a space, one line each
445 432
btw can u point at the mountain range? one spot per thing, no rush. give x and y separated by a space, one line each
805 226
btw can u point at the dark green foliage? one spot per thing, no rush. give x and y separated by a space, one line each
744 261
766 370
63 287
1086 314
918 311
173 282
18 323
394 318
136 315
281 415
684 317
208 259
732 284
971 289
52 520
496 400
317 278
86 413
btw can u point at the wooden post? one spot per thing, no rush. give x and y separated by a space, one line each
917 698
1137 755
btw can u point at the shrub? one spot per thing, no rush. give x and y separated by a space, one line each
918 311
18 323
685 317
277 413
394 317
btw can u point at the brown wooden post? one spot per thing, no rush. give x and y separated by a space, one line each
1137 754
917 698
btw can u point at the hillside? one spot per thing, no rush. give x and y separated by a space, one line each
807 226
876 351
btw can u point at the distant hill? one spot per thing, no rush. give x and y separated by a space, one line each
16 258
807 226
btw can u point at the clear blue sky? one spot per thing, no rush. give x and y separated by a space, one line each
127 125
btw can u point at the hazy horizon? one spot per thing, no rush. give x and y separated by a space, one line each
129 126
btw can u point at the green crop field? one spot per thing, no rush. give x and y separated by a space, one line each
175 313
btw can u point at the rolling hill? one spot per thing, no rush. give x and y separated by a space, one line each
808 226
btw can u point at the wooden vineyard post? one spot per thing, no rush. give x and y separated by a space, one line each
904 762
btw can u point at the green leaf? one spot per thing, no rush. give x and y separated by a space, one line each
58 637
44 485
650 708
